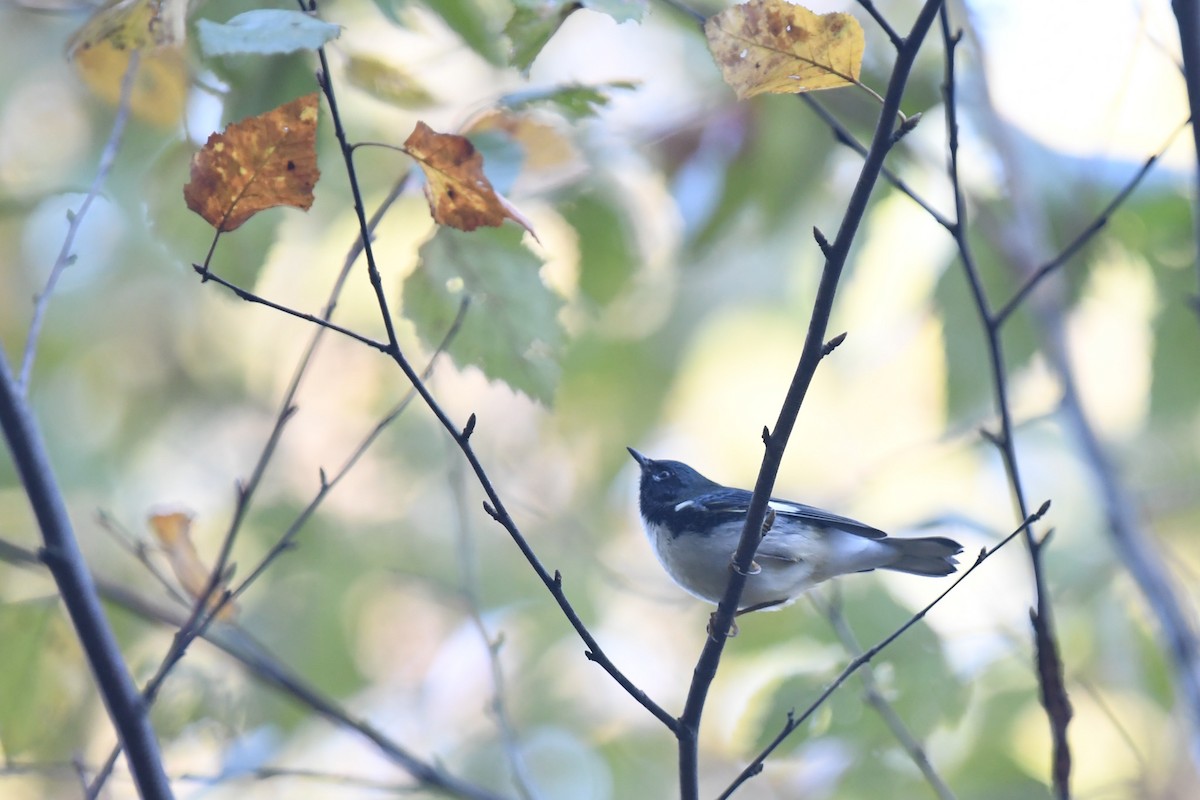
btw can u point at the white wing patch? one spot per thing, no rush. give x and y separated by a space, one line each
785 507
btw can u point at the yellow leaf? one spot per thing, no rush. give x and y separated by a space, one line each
261 162
772 46
459 194
174 531
101 50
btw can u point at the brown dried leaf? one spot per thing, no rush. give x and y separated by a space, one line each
261 162
776 47
459 194
174 532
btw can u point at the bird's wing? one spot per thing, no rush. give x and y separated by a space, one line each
824 519
737 501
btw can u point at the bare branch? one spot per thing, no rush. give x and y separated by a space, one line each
875 698
1187 18
881 143
264 666
62 555
1086 235
1049 664
793 721
494 506
108 157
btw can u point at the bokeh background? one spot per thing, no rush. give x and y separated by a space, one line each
675 226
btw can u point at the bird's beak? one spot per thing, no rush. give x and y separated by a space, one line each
638 457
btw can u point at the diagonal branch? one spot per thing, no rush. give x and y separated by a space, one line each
108 156
62 555
260 663
1085 235
494 506
874 697
794 721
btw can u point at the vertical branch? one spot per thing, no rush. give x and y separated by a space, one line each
1048 662
775 440
1187 18
62 555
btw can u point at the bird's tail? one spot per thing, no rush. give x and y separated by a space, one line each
932 555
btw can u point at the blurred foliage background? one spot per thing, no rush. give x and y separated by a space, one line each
675 228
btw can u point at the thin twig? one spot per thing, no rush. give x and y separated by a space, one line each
204 613
884 25
494 506
1138 554
66 257
260 663
844 137
468 569
251 297
893 721
287 540
1085 235
286 411
794 721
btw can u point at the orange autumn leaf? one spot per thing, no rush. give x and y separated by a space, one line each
459 194
174 532
261 162
772 46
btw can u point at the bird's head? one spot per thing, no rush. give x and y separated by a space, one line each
668 483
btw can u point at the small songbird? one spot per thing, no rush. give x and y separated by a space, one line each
694 526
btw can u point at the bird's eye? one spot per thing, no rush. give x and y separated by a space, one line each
662 475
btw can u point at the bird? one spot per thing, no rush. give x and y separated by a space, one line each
694 525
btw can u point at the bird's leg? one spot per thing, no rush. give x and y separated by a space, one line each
712 620
755 568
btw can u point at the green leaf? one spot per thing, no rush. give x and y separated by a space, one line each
390 10
970 383
573 101
606 245
264 31
533 23
1175 381
968 376
479 23
511 330
386 82
757 166
35 700
620 10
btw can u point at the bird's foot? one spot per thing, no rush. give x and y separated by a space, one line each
712 622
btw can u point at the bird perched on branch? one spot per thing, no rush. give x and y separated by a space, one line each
694 526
